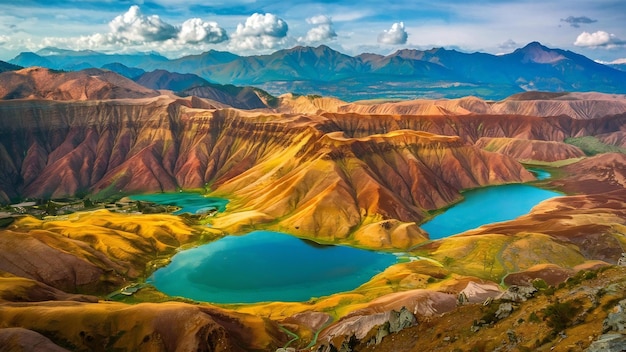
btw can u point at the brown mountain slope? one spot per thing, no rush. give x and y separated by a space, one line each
463 106
599 174
237 97
530 150
20 339
169 326
579 106
93 253
283 166
473 127
91 84
397 176
615 138
576 105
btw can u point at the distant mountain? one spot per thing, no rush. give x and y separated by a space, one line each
188 84
28 59
404 74
161 79
192 63
121 69
75 60
5 66
237 97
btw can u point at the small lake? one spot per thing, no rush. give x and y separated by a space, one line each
267 266
189 202
485 206
540 174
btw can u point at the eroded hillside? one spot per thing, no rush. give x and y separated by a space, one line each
364 174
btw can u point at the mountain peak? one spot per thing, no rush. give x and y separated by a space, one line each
534 45
535 52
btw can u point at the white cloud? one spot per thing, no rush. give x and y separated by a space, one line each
259 25
134 31
322 31
4 39
319 20
135 27
260 31
621 61
195 30
598 39
394 36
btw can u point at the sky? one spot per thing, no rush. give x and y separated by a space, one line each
174 28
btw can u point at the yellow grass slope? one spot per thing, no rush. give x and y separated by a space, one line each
90 251
144 327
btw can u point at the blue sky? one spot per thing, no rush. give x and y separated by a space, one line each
174 28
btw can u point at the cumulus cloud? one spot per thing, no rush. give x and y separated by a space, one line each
263 24
4 39
135 31
195 30
394 36
137 27
599 39
260 31
577 21
322 30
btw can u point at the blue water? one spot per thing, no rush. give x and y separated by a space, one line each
189 202
267 266
539 173
484 206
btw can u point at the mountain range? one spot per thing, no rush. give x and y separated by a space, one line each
407 73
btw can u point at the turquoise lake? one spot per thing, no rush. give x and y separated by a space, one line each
487 205
267 266
189 202
270 266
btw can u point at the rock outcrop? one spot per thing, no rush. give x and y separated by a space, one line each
614 331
